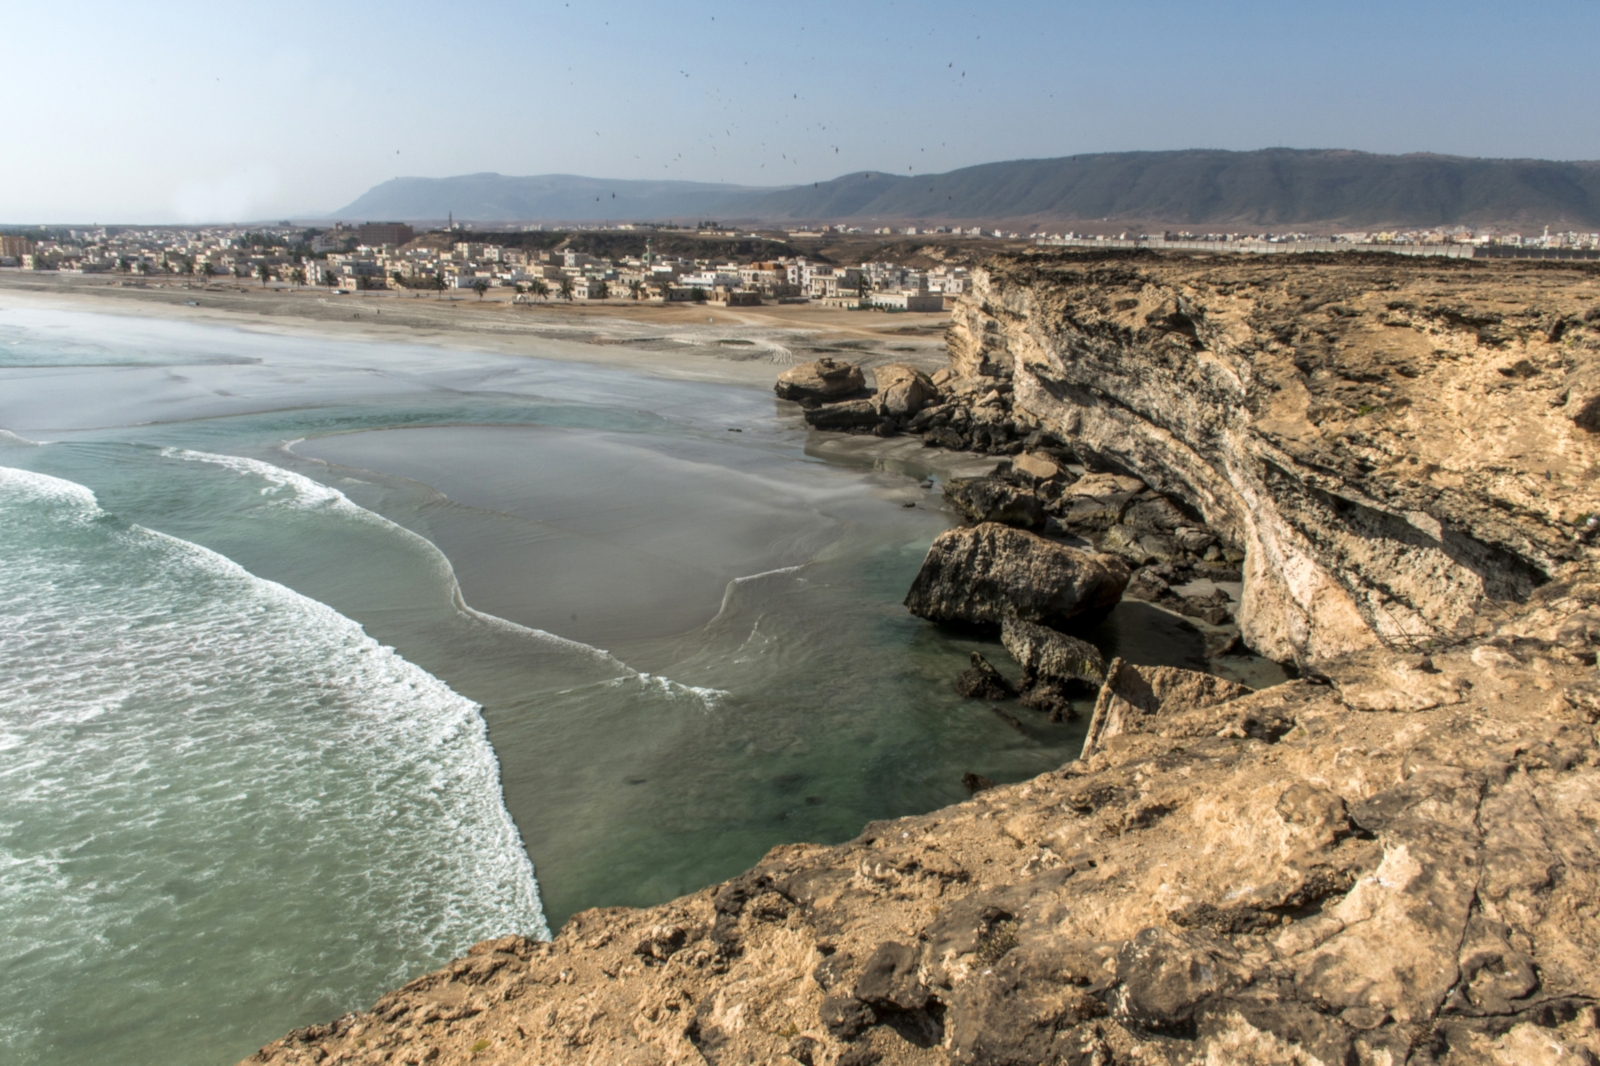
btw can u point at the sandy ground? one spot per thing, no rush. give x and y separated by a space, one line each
746 345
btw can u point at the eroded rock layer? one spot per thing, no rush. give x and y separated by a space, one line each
1392 442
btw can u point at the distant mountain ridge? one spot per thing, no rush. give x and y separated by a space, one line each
1273 187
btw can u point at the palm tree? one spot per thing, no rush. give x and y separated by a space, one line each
438 283
297 276
635 289
264 273
480 287
601 291
540 289
566 288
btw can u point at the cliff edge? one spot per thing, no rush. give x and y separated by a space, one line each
1392 860
1392 442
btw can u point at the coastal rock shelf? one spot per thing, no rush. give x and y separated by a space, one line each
1391 860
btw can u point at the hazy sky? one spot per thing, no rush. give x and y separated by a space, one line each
158 111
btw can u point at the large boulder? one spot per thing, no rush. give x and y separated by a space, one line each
980 575
821 381
1055 667
903 390
989 499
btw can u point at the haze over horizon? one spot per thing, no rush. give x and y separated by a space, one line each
214 114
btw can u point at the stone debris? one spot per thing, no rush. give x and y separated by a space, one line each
1055 667
983 682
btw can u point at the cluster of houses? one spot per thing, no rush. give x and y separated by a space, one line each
1484 237
386 256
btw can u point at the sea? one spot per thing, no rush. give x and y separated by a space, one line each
322 659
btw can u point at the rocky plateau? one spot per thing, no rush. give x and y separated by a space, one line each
1392 859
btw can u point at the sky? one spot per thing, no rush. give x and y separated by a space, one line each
198 112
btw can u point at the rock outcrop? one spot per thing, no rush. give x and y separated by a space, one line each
1392 860
903 390
821 381
1394 445
980 575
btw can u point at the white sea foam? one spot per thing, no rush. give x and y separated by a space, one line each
770 573
302 492
54 490
219 793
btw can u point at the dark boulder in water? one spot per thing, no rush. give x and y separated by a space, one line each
983 682
980 575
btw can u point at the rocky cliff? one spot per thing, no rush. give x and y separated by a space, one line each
1392 860
1392 443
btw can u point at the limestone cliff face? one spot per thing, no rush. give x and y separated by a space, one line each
1391 442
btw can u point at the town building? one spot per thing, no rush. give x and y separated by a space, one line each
376 234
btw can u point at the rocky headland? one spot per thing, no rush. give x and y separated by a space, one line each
1394 858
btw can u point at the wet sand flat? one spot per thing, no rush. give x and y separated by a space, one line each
611 538
705 343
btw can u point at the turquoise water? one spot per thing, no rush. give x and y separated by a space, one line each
309 646
221 803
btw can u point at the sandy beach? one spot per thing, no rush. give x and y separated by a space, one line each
743 345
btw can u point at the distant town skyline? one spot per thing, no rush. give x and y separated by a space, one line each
173 113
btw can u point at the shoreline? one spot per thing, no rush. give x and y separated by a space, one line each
1373 862
736 346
